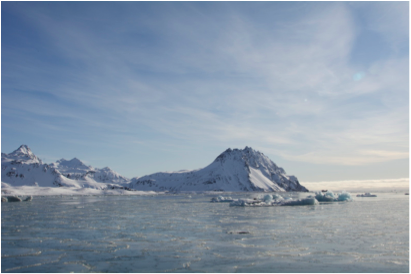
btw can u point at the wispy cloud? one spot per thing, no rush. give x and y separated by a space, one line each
213 73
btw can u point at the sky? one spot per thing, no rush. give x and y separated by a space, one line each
321 88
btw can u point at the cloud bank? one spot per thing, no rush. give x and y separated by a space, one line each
401 184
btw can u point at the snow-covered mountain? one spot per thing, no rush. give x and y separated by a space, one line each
22 167
73 166
233 170
77 170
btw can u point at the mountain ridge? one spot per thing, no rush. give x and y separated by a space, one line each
232 170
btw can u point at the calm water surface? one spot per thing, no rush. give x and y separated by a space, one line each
187 233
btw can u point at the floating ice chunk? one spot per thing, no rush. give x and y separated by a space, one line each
28 199
249 202
310 200
221 199
277 197
344 196
366 195
268 198
329 196
238 232
13 199
4 200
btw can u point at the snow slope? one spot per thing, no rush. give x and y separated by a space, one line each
233 170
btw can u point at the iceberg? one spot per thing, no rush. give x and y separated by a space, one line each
16 199
12 199
367 194
28 199
310 200
344 196
268 198
326 197
221 199
329 196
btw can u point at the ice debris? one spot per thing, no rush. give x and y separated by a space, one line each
13 199
274 200
28 199
329 196
278 200
367 194
16 199
221 199
238 232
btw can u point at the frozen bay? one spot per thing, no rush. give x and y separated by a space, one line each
188 233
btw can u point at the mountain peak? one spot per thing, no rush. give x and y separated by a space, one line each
22 154
72 163
76 161
23 150
238 153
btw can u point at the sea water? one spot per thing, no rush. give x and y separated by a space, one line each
188 233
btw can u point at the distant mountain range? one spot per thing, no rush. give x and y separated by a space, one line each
22 167
233 170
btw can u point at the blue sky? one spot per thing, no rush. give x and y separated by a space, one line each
319 87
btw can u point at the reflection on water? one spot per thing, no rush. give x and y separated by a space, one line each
188 233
